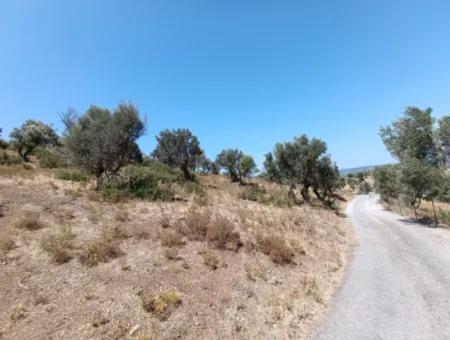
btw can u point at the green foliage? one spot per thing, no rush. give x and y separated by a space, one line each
151 182
258 193
237 165
364 188
51 158
102 142
178 148
304 162
386 182
412 136
247 166
30 135
418 180
3 144
72 175
444 138
8 159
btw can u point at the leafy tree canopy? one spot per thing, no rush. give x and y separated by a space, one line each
178 148
30 135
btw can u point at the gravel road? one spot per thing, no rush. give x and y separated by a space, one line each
398 283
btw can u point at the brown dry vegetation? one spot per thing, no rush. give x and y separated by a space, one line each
210 266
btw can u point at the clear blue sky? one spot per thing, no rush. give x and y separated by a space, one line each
243 74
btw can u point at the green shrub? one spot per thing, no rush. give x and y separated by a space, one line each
50 159
364 188
259 194
72 175
3 144
8 159
152 181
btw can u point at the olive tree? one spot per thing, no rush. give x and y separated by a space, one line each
418 181
236 164
386 182
444 139
101 141
412 136
30 135
303 162
178 148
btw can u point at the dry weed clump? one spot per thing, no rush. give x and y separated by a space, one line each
31 221
311 288
122 215
222 235
276 248
171 254
6 243
161 304
171 238
196 224
210 260
59 246
102 249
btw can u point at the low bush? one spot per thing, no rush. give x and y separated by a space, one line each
3 144
196 225
72 175
146 182
257 193
171 238
50 158
171 254
59 246
6 243
276 248
210 260
222 235
102 249
161 304
30 221
364 188
7 158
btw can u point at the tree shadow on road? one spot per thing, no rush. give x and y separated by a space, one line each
424 222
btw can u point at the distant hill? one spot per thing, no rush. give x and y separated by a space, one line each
345 172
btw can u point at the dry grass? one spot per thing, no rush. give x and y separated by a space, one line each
222 234
161 304
171 254
171 238
210 259
196 224
6 243
100 250
276 248
59 246
260 300
31 221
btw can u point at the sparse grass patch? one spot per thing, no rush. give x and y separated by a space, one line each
59 246
73 193
102 249
276 248
122 215
171 238
31 221
196 223
6 243
171 254
161 304
210 259
257 193
72 175
222 235
311 288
